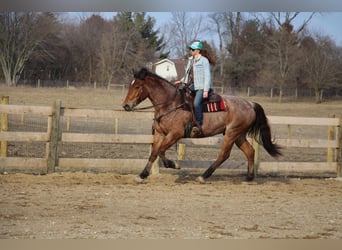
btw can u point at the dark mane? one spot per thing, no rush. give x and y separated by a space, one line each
145 72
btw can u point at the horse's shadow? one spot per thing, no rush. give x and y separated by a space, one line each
187 176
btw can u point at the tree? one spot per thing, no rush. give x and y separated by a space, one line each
91 31
234 21
217 26
319 63
51 59
283 45
181 31
131 43
150 37
20 35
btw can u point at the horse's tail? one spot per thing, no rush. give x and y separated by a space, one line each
261 131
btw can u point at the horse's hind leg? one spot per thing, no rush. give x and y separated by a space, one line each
224 154
248 150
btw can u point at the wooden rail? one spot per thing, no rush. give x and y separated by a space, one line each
53 135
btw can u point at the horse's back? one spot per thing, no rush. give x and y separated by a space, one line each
237 103
239 108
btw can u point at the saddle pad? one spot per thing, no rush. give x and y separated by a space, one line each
214 106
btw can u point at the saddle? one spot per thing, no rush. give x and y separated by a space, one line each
214 102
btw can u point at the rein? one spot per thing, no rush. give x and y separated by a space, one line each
151 106
168 112
143 108
160 104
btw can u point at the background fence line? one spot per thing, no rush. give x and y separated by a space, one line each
54 135
219 86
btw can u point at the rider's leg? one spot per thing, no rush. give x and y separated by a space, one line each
198 106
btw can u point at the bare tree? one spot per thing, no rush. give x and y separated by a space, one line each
219 28
319 63
131 43
20 36
234 21
91 31
183 28
116 53
284 44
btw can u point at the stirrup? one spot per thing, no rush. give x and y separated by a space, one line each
197 130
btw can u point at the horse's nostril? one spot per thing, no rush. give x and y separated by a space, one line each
127 107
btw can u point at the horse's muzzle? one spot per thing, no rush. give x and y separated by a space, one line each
128 107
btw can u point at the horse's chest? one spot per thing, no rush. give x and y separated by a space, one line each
172 122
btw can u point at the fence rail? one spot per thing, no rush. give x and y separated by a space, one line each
53 135
219 86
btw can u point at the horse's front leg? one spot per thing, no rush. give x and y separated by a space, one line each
160 144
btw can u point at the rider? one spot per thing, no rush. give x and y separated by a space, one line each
198 78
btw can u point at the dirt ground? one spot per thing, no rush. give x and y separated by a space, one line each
170 205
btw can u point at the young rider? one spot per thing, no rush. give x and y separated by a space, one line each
198 78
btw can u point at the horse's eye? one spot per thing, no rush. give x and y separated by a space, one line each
136 87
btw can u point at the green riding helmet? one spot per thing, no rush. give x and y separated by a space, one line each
196 45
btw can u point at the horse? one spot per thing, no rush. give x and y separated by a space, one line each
171 120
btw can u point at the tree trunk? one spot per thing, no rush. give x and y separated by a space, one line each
317 95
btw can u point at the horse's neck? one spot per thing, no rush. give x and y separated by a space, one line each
162 94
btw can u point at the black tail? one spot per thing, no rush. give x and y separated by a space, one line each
261 131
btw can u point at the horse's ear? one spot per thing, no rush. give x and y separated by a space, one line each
135 73
141 74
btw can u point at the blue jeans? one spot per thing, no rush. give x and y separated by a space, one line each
198 106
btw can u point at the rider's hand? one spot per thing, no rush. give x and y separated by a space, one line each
205 94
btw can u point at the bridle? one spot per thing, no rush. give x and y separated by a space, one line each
157 119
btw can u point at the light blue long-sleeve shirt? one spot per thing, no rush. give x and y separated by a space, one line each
201 71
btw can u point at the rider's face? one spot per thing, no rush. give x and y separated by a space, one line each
194 52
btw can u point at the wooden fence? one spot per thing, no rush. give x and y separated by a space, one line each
54 134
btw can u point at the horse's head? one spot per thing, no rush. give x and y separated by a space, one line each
137 91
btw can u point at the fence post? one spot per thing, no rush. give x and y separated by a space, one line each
4 127
331 133
181 151
68 122
52 161
339 150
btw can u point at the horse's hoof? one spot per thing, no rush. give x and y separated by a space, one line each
177 166
138 180
172 164
200 180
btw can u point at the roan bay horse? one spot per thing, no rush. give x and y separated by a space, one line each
239 119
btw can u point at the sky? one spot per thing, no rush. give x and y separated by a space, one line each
325 23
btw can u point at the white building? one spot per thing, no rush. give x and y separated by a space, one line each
170 69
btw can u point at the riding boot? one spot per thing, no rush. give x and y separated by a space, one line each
197 129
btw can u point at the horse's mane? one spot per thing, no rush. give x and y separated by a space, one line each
145 72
